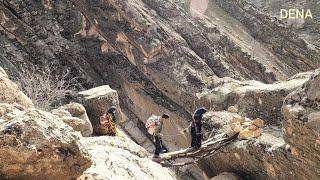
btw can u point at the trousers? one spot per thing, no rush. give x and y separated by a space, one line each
196 135
158 144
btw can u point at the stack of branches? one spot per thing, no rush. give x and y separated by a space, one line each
208 148
237 129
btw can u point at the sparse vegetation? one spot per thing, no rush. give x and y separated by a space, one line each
46 87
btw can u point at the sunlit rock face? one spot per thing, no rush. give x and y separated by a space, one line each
287 151
36 144
198 7
40 145
156 53
10 93
121 158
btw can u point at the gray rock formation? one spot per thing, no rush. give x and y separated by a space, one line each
158 54
226 176
301 112
121 158
253 99
293 154
41 146
78 118
10 93
97 101
37 145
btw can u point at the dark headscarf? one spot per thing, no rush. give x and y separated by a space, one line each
197 116
112 111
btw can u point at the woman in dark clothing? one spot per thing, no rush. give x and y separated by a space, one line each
112 111
196 134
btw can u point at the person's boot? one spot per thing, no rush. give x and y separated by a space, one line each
164 151
155 156
198 145
190 149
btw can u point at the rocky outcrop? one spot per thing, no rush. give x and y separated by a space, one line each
265 157
301 126
158 54
306 28
41 146
3 73
120 158
149 52
226 176
37 145
10 93
75 115
252 99
78 125
97 101
275 155
272 34
231 124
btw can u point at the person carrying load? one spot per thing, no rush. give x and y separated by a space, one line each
154 127
108 122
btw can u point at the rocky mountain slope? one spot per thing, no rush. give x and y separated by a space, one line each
290 151
35 144
163 55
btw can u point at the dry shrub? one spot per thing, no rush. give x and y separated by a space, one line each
47 87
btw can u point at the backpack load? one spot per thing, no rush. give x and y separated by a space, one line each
153 124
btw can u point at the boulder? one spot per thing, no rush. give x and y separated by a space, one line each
264 157
61 113
231 123
79 120
252 99
250 133
226 176
76 110
97 101
78 125
10 93
289 151
120 158
301 126
233 109
37 145
3 73
258 122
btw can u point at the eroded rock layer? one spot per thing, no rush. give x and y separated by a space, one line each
160 54
38 145
277 154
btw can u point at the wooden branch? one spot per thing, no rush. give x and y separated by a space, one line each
208 148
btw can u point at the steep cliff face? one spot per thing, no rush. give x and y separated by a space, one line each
276 36
290 151
158 54
307 28
121 158
36 144
253 99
